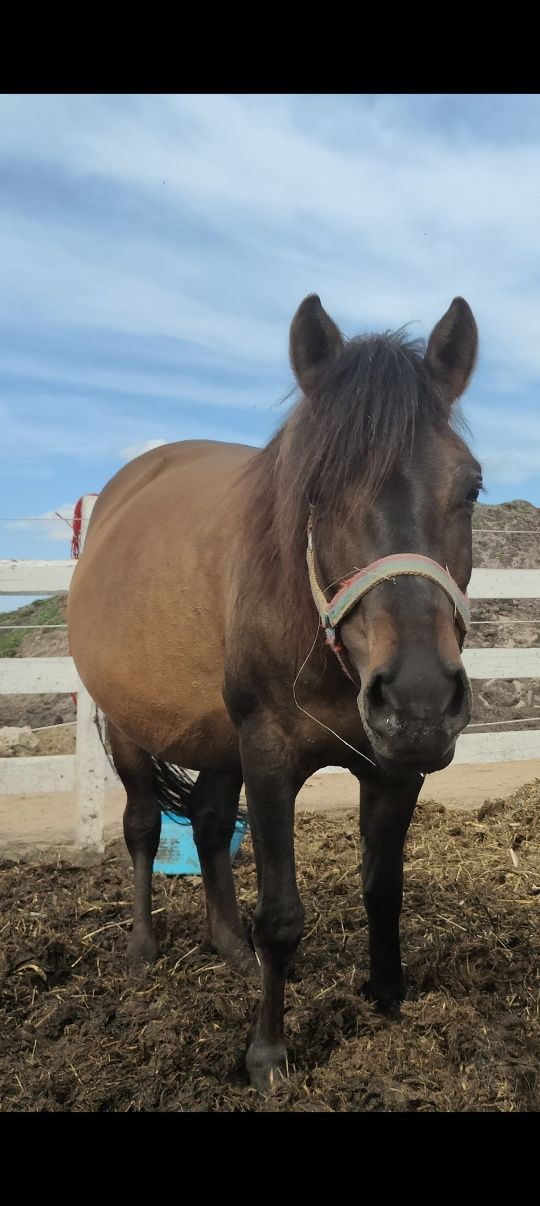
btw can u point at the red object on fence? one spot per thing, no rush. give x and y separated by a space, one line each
76 545
77 525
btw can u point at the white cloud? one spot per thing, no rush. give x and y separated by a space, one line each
508 443
134 450
194 225
162 381
385 223
89 431
509 465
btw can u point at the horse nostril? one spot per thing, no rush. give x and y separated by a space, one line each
460 691
375 696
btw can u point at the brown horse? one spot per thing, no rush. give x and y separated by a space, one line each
193 622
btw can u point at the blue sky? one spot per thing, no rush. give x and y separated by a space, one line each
154 250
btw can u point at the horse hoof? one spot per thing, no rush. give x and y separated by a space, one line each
266 1065
141 952
387 997
245 963
236 952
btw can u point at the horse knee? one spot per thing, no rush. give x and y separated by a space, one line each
142 826
212 832
383 899
278 928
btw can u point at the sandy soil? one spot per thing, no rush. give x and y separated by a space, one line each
29 828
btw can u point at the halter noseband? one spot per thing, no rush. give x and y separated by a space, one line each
352 590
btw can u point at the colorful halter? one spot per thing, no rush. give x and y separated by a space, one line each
352 590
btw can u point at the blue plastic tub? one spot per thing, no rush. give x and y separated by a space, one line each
177 852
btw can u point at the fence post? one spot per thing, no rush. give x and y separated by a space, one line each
90 755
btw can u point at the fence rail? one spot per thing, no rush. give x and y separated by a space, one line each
35 577
37 675
88 770
49 577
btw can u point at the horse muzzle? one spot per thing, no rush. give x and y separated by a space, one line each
413 716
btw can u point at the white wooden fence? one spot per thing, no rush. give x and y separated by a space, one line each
88 770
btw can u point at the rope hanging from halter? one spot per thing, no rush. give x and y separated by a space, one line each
352 590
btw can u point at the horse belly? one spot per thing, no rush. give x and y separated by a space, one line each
148 600
152 660
166 701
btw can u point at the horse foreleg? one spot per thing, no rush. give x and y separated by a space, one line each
279 916
386 808
142 827
213 809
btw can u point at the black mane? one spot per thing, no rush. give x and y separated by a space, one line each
355 422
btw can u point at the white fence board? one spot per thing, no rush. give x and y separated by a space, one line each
57 772
48 577
31 775
35 577
498 747
502 663
36 675
90 774
485 747
504 584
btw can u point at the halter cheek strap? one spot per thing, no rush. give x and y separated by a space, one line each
352 590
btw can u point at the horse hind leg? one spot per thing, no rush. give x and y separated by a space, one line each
213 808
142 827
212 805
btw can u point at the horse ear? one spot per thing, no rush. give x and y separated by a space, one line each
452 348
313 337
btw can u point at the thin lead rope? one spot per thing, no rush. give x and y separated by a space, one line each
330 584
507 531
321 722
480 724
501 622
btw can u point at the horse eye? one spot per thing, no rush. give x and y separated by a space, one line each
472 497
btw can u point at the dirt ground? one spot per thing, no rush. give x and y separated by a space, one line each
77 1035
